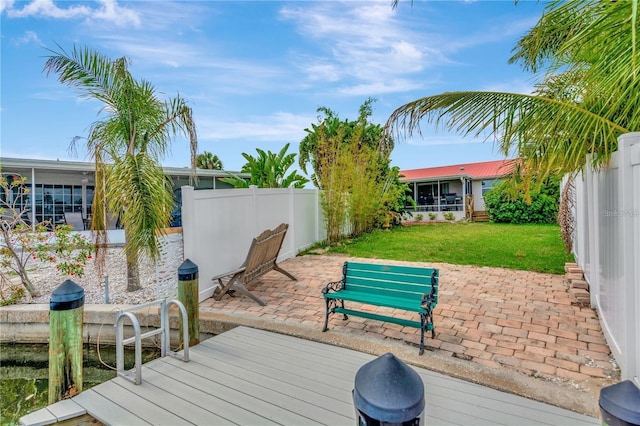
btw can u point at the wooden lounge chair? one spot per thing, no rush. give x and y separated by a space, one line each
261 259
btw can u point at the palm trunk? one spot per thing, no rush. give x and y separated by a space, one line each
133 273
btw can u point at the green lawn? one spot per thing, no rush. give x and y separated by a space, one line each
537 248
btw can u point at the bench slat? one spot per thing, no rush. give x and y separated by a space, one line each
412 305
398 269
370 315
404 289
422 278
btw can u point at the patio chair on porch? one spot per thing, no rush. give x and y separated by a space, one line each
451 201
74 219
430 202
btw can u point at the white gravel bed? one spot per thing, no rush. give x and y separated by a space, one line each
46 278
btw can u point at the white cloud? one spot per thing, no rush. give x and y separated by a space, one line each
277 127
112 12
108 11
28 37
361 41
6 5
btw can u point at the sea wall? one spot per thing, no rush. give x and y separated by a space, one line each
29 323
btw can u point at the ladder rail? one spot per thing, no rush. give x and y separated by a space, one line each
164 332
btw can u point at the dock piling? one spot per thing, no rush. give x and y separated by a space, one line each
66 310
188 296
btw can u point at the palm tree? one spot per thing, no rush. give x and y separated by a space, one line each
589 95
209 161
127 146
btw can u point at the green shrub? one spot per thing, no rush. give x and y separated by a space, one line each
433 216
419 217
448 216
503 208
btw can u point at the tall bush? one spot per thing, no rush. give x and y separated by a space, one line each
503 207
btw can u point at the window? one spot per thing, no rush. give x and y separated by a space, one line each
487 185
52 201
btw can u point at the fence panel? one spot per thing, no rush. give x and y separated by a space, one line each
607 248
218 225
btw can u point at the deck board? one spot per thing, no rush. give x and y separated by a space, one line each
248 376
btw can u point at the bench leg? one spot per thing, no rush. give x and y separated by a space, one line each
326 316
330 306
423 325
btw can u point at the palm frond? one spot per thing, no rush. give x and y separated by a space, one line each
558 131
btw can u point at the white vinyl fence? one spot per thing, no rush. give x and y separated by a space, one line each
218 225
607 248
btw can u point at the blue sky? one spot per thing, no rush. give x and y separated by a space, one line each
255 72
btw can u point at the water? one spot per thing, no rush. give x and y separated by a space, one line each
24 375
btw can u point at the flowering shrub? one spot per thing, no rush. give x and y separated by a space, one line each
69 250
18 245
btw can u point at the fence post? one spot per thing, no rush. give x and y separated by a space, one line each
629 234
66 310
188 296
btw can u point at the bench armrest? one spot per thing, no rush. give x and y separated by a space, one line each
428 300
332 286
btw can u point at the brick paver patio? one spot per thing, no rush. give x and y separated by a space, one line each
500 318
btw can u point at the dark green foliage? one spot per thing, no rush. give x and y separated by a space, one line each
269 170
502 207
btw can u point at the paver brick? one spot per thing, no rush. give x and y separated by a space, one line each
490 328
538 366
540 336
509 323
572 375
516 332
562 363
592 371
499 350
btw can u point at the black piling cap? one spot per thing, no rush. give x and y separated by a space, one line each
67 296
621 402
188 271
388 390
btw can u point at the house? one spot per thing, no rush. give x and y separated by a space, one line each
458 188
56 187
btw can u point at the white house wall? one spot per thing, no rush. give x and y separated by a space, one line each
478 199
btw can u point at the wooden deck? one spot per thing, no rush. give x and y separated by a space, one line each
253 377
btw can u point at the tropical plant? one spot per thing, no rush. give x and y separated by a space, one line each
360 190
207 160
330 126
127 147
588 54
269 170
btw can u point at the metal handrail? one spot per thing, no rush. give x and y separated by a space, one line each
163 331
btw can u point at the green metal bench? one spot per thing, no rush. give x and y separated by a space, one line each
409 288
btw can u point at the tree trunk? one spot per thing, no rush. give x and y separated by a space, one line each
133 274
26 282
